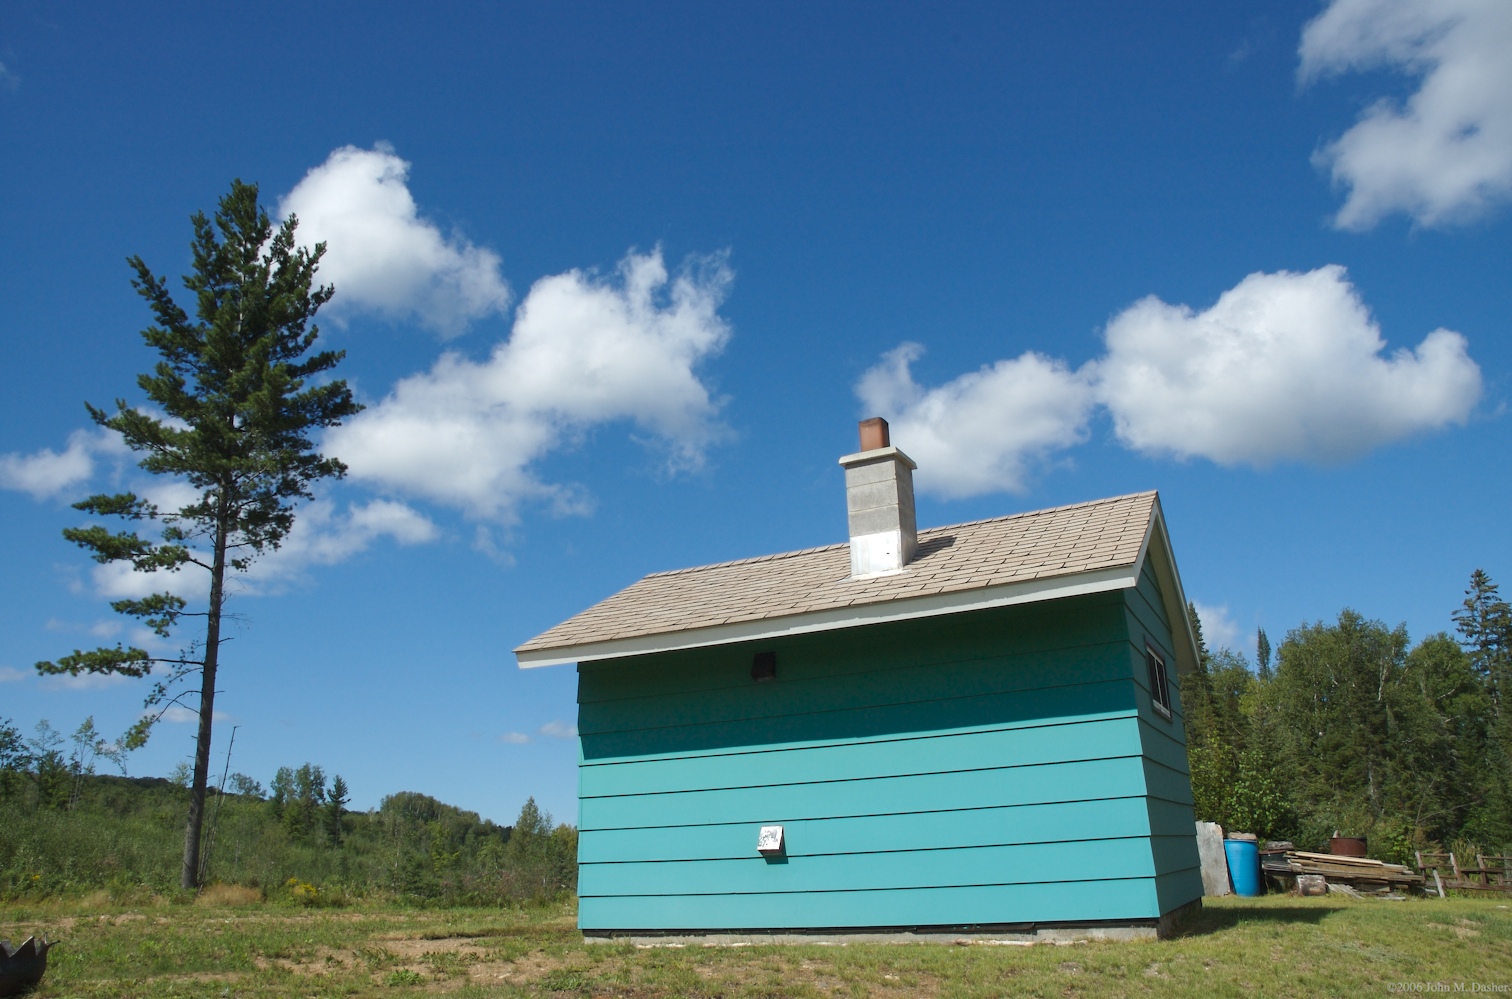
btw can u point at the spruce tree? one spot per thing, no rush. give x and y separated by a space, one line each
335 807
1484 622
235 394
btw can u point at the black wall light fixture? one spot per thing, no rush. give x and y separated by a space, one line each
764 667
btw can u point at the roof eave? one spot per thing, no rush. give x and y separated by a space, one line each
1004 595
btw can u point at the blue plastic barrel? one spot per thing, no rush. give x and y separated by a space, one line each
1244 865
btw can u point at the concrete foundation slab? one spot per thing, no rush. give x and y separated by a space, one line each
1014 934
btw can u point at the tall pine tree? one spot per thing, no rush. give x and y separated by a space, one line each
238 389
1484 622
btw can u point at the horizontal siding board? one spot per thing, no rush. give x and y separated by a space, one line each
1164 743
1174 853
1147 624
940 753
1099 859
1132 899
1149 588
1014 824
1064 703
1171 818
987 788
797 695
1089 620
775 747
1163 782
1177 888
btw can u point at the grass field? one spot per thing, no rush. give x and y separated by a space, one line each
244 947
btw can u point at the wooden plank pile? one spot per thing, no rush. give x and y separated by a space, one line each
1362 875
1444 871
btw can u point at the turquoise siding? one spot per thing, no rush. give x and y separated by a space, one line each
1168 781
1001 766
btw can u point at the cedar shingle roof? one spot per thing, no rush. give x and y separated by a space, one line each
1062 541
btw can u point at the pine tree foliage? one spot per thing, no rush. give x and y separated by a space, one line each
1484 622
232 400
335 808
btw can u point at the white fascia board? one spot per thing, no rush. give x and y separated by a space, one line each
1030 591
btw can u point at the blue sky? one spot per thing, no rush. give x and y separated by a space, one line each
616 283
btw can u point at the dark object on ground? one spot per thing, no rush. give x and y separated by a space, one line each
21 967
1490 873
1368 877
1347 846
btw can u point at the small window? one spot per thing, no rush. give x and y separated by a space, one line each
1160 686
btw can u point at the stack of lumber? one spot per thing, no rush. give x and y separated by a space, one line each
1359 873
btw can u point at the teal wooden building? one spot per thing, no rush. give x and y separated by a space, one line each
973 727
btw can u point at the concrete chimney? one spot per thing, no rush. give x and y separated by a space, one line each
879 499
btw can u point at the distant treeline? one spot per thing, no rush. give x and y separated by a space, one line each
1354 729
66 830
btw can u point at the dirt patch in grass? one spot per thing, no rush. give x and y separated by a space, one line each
320 961
421 946
535 968
1462 928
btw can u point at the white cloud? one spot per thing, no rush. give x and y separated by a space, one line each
1285 366
1219 631
103 627
514 738
322 534
559 730
168 495
9 674
8 79
583 351
381 255
117 581
1446 155
48 473
984 431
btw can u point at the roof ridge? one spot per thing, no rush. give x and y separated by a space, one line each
928 530
1040 513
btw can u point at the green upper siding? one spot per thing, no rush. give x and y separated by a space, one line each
998 766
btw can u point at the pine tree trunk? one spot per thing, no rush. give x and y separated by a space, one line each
190 876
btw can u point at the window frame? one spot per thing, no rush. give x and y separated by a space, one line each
1160 682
